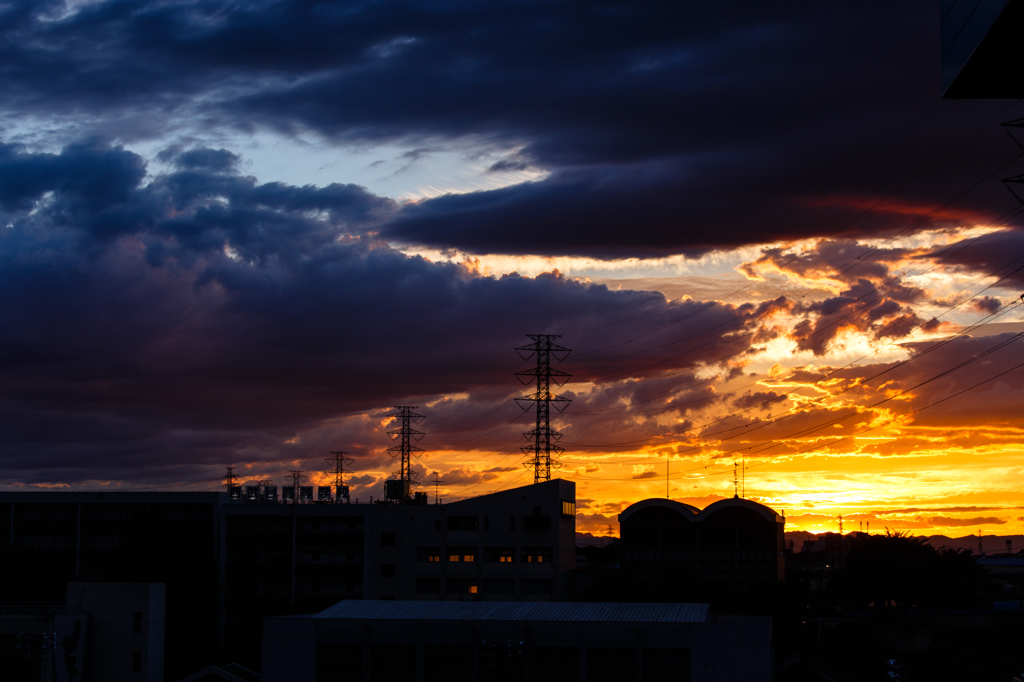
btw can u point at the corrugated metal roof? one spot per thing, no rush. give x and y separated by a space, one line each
517 611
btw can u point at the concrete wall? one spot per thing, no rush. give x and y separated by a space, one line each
113 640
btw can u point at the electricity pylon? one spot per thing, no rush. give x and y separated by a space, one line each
542 435
407 434
338 459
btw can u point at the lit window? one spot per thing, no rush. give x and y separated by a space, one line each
568 508
472 589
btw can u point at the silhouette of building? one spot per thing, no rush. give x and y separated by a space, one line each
229 559
103 631
470 641
733 542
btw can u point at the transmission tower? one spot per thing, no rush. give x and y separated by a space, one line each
1016 123
295 478
437 485
543 374
338 459
407 434
229 478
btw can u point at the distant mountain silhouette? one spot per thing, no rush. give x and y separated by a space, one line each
991 544
589 539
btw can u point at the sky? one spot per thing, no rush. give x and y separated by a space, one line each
239 234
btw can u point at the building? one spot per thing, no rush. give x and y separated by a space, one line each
103 631
471 641
734 543
982 54
230 560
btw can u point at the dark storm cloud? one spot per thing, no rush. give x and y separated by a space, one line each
665 127
199 317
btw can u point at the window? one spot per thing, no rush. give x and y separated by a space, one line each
387 539
568 508
462 522
462 554
428 554
136 661
137 622
537 555
428 586
387 570
500 555
461 586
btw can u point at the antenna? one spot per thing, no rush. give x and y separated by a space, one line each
542 435
405 447
338 459
437 483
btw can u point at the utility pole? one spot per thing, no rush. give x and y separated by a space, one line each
405 435
735 480
840 524
542 435
437 483
338 459
668 494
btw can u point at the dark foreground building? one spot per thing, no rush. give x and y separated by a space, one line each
228 563
732 544
478 641
112 632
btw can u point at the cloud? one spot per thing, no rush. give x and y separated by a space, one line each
637 112
977 521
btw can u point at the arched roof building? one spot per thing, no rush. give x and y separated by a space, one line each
730 542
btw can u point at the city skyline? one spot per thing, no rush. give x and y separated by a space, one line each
242 235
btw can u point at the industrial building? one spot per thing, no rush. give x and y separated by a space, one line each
734 543
471 641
